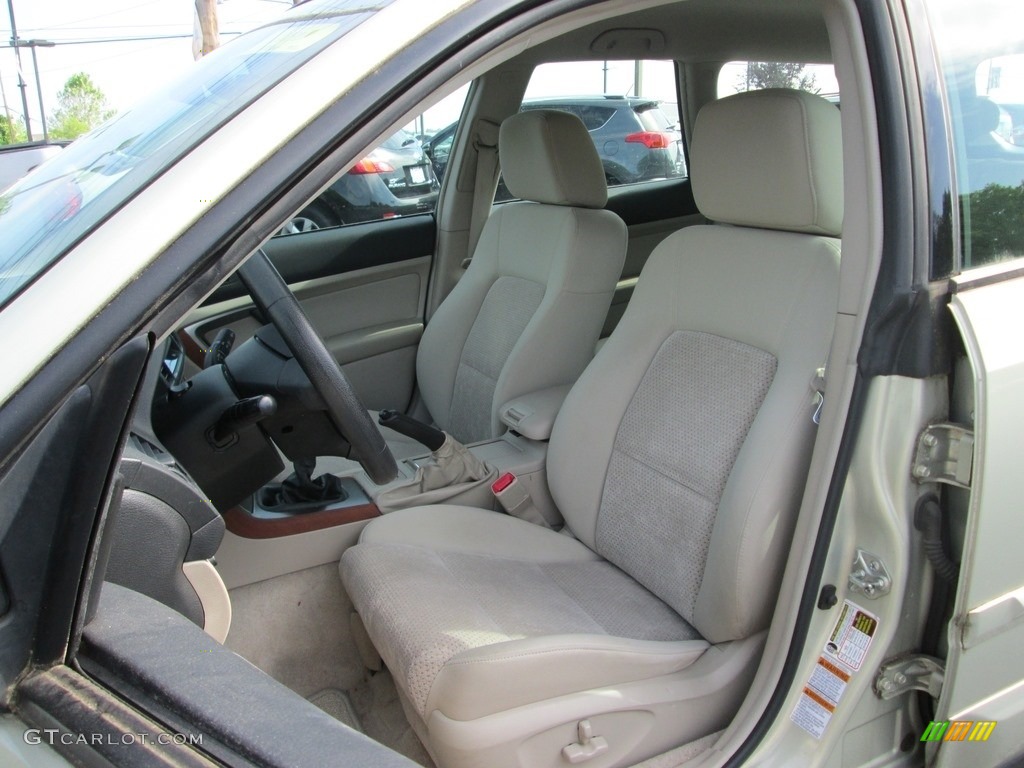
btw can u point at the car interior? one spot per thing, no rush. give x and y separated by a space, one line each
600 411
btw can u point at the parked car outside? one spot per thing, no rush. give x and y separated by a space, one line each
438 147
395 179
634 138
18 159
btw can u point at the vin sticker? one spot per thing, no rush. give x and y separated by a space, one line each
850 639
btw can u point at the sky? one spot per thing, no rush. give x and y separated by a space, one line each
124 71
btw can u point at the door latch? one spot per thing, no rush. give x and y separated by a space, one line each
869 576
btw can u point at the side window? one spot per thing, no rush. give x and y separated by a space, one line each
983 68
399 177
740 76
630 109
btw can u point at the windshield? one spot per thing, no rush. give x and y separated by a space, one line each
51 209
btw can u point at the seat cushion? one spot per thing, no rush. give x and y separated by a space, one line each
477 612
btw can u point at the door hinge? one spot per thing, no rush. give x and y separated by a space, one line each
945 454
916 672
869 576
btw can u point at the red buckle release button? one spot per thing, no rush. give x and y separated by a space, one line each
502 483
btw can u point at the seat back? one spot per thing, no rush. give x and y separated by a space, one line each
705 429
529 310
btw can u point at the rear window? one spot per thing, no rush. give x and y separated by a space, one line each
629 107
653 119
593 117
740 76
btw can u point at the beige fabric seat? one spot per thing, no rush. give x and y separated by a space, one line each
529 310
678 460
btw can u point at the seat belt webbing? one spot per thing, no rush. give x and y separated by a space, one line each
485 142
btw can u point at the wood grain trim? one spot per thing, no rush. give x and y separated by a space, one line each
192 349
243 524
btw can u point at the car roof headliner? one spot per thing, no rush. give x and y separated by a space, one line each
706 31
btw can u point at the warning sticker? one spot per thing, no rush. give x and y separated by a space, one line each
844 654
812 713
828 680
852 636
820 696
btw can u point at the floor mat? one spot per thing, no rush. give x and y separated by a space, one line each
338 705
379 710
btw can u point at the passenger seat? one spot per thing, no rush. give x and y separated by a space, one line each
529 309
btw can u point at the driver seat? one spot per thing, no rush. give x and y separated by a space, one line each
528 312
678 460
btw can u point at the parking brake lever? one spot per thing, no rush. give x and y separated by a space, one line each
431 437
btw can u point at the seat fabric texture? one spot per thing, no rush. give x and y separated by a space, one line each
678 461
529 310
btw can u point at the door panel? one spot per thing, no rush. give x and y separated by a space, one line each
985 669
364 288
325 252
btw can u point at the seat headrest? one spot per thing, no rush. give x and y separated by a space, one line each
770 159
548 156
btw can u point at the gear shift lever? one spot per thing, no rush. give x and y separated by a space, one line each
302 479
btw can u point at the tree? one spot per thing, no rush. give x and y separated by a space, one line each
11 131
776 74
995 226
81 107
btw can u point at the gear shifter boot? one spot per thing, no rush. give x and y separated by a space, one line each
301 492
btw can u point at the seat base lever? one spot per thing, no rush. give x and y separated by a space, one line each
588 745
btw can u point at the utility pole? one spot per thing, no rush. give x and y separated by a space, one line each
21 79
206 36
33 44
3 94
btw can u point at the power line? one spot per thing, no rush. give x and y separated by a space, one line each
114 12
106 26
125 39
24 30
85 63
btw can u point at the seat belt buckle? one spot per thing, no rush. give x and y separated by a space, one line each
515 499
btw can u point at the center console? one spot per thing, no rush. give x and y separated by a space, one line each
521 451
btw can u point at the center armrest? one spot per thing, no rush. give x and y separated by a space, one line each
533 415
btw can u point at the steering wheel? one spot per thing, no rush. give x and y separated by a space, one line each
279 305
